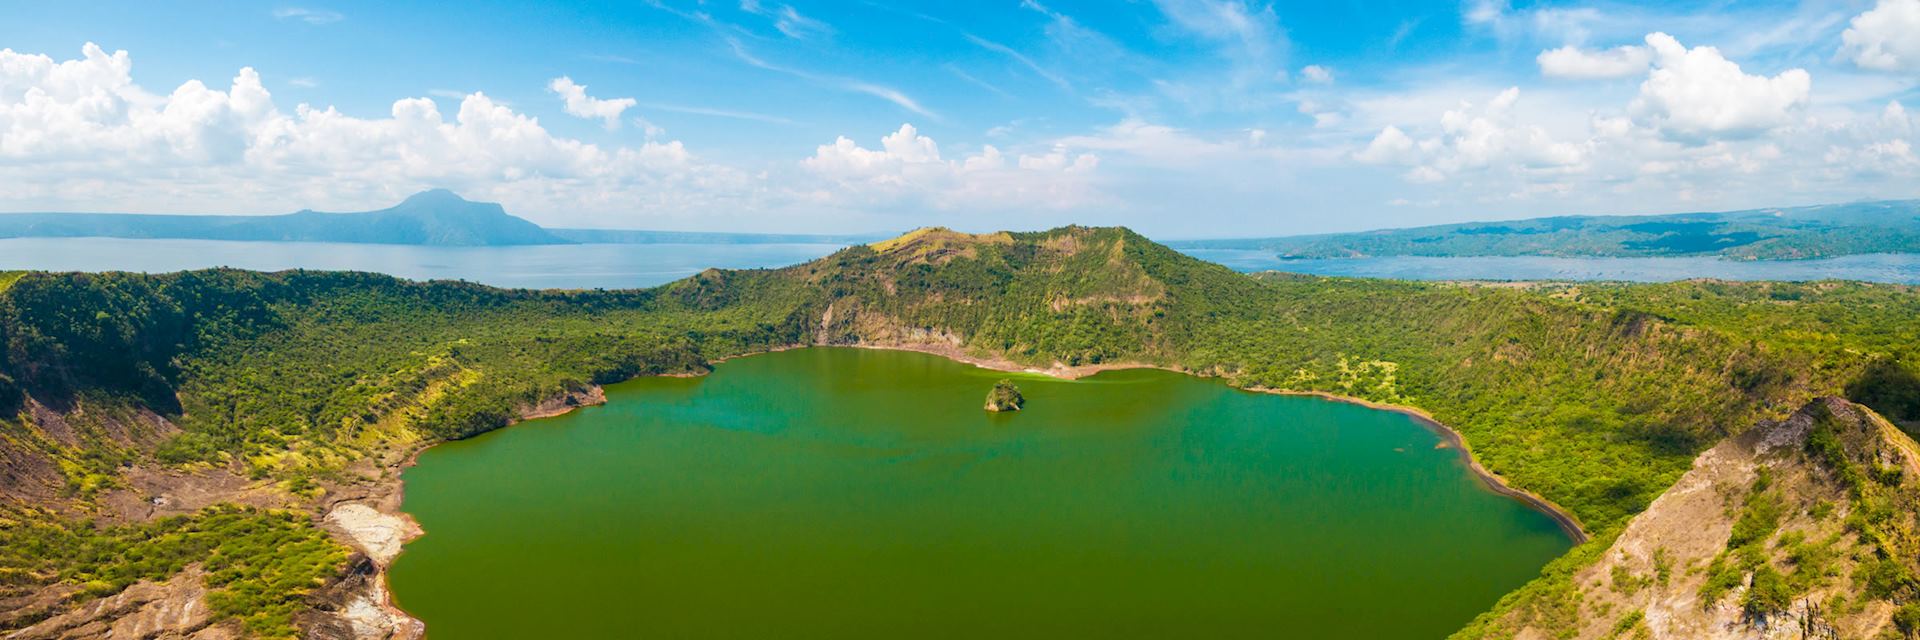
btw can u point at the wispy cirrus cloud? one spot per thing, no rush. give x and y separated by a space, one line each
717 113
609 57
788 20
970 79
855 85
1021 58
315 17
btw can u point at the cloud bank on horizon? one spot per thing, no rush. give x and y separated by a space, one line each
1176 117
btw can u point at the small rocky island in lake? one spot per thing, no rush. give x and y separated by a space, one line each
1005 397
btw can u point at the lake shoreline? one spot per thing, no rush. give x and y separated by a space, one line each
1452 438
594 395
391 501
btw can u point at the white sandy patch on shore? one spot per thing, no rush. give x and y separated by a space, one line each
378 534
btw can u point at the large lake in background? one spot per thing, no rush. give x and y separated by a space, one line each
570 266
1878 267
616 266
846 493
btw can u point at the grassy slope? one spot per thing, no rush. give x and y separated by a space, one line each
1597 402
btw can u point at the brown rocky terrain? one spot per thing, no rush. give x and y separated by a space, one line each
1777 533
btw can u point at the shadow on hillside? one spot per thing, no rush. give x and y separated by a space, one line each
1891 387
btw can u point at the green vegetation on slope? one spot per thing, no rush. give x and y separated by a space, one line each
1807 521
294 375
1596 398
1839 324
258 564
304 370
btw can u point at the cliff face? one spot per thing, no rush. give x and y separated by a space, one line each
1802 528
175 608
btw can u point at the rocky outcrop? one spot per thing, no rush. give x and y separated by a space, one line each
175 609
563 403
357 605
1005 397
1760 540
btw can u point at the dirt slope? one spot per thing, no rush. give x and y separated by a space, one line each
1802 528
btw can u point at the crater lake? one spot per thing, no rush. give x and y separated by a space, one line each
837 492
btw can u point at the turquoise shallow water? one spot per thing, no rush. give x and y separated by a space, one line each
855 494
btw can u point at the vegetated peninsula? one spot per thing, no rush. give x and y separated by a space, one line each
233 438
1764 234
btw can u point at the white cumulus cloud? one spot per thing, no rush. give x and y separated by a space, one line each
1573 62
1474 138
1697 94
581 105
1391 146
1886 37
908 169
82 131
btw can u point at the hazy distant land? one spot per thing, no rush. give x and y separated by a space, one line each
1822 231
442 218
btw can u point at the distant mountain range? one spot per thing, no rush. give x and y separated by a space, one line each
437 217
1755 234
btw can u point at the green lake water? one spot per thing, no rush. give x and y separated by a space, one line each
844 493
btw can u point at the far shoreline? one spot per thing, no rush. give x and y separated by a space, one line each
1450 437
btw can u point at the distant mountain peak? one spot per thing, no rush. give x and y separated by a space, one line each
444 200
435 196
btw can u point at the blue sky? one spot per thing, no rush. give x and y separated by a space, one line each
1181 118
